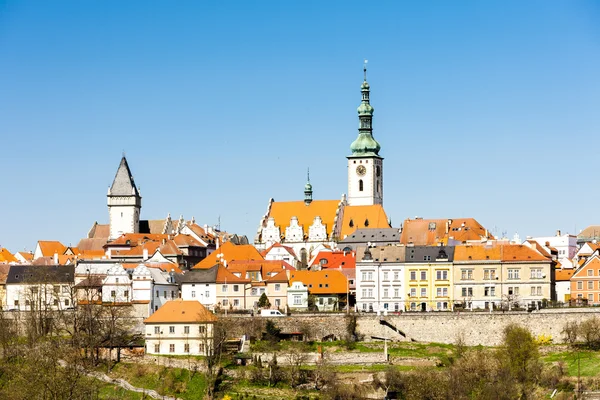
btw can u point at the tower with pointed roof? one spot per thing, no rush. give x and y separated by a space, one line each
124 203
365 165
307 190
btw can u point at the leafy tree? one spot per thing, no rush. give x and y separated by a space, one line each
520 358
272 332
263 301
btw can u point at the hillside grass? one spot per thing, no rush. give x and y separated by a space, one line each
113 392
177 382
578 362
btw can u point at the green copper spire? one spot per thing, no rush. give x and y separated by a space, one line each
365 144
308 189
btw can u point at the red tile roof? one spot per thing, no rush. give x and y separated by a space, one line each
335 259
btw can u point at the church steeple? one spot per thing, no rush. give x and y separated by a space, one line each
365 144
365 165
307 189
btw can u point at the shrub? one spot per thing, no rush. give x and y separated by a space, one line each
543 340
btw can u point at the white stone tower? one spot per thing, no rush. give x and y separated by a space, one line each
365 165
124 203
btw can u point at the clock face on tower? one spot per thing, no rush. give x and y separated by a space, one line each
361 170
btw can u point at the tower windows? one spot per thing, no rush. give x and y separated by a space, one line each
360 185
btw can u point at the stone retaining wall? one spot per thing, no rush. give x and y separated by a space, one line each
475 327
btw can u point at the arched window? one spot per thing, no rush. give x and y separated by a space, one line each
303 258
360 185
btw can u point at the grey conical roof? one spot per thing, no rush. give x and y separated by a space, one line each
124 185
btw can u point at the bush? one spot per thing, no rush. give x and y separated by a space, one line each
543 340
590 332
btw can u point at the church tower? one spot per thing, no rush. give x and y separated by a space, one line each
124 203
365 165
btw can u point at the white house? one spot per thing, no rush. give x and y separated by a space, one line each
39 288
380 279
116 286
200 285
153 287
279 252
180 327
566 245
298 296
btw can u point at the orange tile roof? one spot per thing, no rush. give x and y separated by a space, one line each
280 277
231 252
563 274
430 232
136 239
504 253
283 211
91 254
26 255
186 240
6 256
363 217
336 259
269 269
538 247
49 247
226 276
316 280
198 230
181 311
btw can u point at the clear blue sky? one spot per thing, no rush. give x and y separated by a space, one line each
484 109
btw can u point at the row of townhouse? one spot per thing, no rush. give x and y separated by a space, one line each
58 287
240 285
426 278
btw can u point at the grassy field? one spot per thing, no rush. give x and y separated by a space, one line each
586 362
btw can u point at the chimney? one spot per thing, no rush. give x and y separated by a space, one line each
145 256
558 232
448 226
55 258
217 242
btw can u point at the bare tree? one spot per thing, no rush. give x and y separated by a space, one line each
296 356
116 326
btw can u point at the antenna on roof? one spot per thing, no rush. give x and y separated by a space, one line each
365 69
